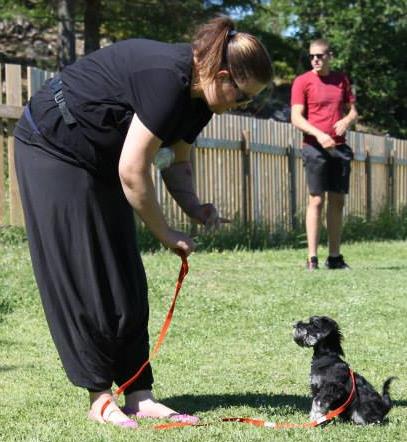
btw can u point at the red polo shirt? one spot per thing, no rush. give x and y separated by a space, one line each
324 98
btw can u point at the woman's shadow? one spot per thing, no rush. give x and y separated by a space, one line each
196 404
207 402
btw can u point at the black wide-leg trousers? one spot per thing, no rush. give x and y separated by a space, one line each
89 272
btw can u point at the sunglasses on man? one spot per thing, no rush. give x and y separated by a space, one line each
317 56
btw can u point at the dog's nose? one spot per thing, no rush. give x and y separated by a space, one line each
295 324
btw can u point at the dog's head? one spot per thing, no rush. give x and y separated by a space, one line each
319 331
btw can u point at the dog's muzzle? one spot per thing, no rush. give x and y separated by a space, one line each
299 334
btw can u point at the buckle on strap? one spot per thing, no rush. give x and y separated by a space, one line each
59 97
56 87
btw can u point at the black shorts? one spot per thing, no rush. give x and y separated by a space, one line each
327 170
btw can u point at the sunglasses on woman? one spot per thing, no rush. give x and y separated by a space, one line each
241 96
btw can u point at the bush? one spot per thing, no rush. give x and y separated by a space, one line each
387 225
12 235
6 306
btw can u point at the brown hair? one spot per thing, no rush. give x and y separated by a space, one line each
217 45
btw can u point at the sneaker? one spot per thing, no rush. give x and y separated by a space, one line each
336 262
312 263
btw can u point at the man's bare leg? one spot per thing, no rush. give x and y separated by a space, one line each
313 223
334 218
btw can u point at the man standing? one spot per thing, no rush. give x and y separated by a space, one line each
323 107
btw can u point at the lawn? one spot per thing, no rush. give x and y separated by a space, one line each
229 351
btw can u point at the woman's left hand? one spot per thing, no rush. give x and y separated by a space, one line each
207 215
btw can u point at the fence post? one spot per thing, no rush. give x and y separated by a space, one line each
2 174
388 142
292 186
2 177
194 225
368 173
246 177
14 98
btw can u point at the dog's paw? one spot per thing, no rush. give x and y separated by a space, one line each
315 416
316 412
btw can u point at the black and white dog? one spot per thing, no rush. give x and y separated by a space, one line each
331 383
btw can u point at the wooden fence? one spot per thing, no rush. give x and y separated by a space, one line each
250 168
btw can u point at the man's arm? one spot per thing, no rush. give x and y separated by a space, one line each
299 121
342 125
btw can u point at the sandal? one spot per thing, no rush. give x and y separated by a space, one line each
173 417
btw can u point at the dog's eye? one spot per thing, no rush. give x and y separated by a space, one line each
317 322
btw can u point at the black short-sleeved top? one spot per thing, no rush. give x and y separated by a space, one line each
105 88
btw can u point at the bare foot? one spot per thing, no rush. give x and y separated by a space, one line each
111 414
143 402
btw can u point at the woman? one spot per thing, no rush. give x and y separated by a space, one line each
84 149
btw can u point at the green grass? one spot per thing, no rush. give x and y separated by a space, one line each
229 351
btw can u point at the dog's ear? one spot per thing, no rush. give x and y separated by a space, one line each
324 327
335 338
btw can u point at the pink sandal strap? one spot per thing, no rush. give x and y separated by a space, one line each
184 418
174 417
128 423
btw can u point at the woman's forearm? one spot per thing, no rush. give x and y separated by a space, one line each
179 181
140 193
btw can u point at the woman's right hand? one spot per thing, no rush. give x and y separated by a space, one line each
178 241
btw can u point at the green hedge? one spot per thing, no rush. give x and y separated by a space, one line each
387 225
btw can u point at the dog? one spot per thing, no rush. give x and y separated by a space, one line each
331 382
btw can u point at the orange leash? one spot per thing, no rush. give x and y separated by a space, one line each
315 423
275 425
164 329
256 422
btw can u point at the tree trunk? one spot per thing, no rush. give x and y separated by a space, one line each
66 32
92 25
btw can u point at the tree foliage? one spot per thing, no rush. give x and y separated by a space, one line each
368 37
369 40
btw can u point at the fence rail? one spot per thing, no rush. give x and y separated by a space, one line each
250 168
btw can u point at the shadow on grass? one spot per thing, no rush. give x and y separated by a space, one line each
4 368
202 403
391 268
399 403
8 344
